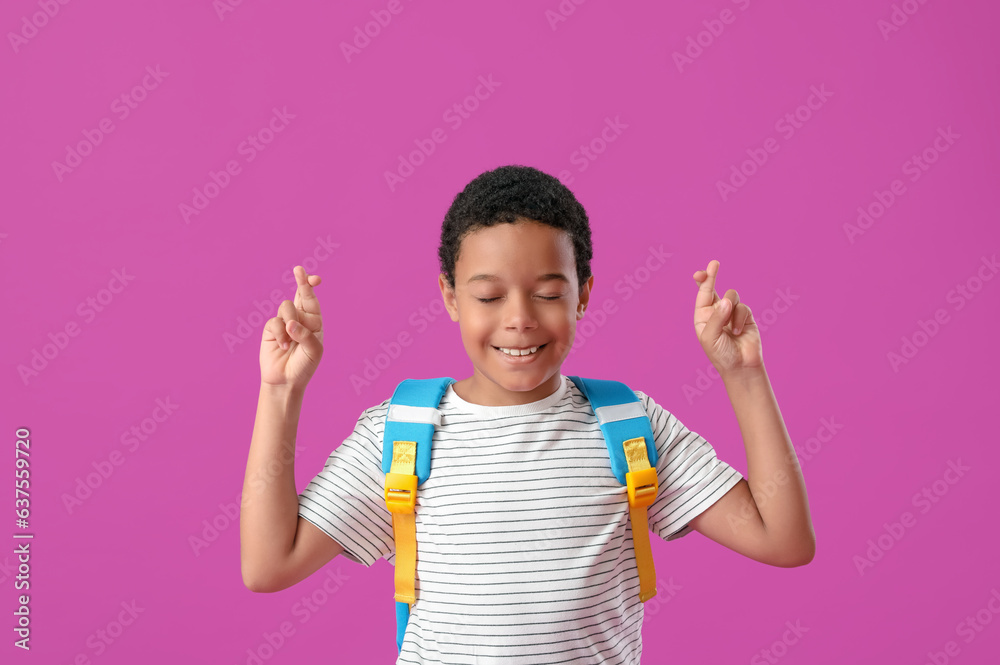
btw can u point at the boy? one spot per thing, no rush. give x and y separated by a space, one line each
525 549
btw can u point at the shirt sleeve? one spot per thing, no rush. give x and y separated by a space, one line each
346 500
691 478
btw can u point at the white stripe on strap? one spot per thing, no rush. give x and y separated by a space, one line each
609 414
414 414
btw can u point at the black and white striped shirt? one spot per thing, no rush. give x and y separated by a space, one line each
524 542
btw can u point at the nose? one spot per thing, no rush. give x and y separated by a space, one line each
518 312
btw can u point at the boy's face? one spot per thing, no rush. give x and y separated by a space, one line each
527 309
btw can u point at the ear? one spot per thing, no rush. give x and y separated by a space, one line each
448 295
584 297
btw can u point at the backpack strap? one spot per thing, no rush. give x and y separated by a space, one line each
629 437
406 462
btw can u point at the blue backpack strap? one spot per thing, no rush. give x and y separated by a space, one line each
621 417
412 416
628 434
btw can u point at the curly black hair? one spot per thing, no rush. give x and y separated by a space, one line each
509 194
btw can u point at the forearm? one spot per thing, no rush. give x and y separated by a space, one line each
269 508
773 471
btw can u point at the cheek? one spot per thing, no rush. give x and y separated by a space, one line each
568 319
475 331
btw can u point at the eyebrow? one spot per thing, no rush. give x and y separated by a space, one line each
548 277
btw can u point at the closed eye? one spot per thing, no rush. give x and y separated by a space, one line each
487 300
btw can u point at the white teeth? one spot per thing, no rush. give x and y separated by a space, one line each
515 352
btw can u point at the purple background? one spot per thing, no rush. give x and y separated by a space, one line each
781 236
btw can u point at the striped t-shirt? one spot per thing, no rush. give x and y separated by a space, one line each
524 542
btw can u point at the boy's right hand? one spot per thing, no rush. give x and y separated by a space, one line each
292 344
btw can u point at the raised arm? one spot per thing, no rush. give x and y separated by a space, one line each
277 547
765 517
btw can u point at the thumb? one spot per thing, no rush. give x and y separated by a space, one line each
723 312
306 339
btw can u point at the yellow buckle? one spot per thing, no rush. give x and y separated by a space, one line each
400 492
642 486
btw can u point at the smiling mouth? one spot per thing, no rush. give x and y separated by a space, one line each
520 352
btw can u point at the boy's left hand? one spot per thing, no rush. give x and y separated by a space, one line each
729 335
